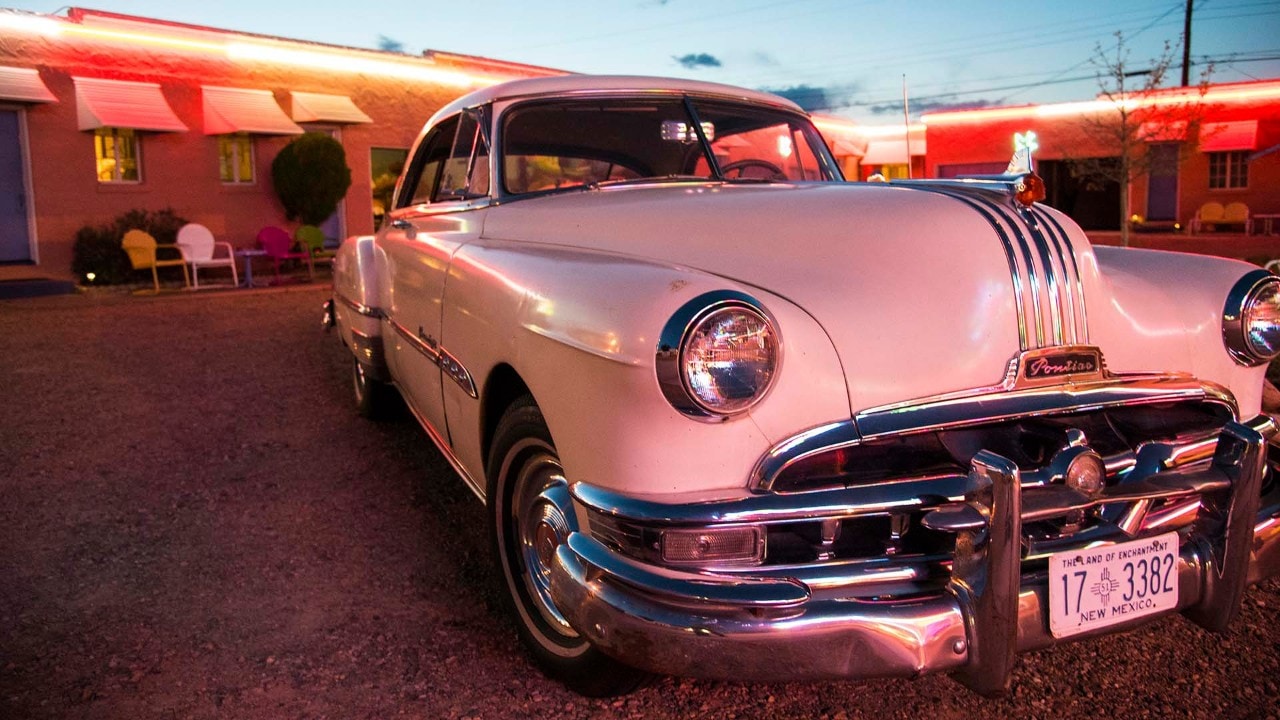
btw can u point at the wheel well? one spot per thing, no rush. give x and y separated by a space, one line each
502 388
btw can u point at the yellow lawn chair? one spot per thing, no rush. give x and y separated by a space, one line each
141 249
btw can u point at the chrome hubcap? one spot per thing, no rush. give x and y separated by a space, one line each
540 505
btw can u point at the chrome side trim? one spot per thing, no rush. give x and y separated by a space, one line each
366 310
1001 403
441 358
443 446
424 344
456 372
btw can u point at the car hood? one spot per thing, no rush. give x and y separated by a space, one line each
913 288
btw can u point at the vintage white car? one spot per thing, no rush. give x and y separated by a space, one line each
735 418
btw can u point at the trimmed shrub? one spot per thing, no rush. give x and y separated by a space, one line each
310 176
163 225
97 248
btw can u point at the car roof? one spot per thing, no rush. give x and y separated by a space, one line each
578 84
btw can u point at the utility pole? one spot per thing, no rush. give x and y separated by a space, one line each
1186 46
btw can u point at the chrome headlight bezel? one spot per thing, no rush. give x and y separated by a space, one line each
1244 299
670 359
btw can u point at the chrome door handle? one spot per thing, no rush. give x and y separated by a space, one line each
402 224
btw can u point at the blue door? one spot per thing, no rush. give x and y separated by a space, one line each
15 237
1162 182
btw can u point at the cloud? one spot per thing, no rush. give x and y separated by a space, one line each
927 105
765 59
816 98
390 44
694 61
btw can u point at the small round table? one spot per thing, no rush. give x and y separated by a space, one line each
249 254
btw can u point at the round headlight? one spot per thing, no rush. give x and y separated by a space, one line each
718 356
1262 321
728 359
1251 321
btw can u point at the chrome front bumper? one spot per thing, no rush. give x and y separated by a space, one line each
718 625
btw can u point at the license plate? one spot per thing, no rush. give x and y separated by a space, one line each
1097 587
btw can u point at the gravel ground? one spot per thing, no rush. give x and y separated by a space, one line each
195 524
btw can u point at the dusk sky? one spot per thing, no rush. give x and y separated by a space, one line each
841 57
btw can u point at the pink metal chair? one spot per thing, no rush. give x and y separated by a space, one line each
278 245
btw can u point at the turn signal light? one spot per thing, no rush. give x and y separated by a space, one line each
1030 189
713 546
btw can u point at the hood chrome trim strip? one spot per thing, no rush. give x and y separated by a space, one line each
1076 281
1041 259
1010 253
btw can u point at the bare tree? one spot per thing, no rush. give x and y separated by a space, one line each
1135 112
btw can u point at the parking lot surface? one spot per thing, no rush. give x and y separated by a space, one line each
194 523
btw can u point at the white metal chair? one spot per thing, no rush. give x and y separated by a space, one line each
199 249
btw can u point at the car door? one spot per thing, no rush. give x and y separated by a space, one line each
440 207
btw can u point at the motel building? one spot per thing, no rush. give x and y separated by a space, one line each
1220 147
103 113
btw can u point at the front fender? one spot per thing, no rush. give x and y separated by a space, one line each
1162 311
581 328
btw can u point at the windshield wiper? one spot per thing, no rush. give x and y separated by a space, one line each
650 179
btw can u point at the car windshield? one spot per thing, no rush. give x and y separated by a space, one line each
587 142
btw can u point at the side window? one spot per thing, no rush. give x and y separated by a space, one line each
423 178
466 172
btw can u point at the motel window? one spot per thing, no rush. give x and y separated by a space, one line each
235 158
889 172
385 166
1228 170
117 152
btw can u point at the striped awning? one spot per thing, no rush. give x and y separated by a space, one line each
234 110
1228 136
123 104
319 107
23 85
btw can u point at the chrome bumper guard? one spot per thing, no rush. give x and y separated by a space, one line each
774 629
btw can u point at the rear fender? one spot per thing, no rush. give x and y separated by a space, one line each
357 301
